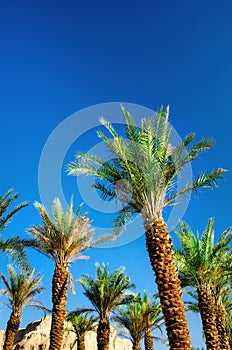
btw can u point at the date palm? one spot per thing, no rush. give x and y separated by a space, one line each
108 291
139 318
153 320
222 321
131 318
222 298
62 238
142 175
13 246
205 267
20 290
82 323
222 309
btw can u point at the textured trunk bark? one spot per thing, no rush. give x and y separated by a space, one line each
160 250
81 343
208 316
12 329
103 335
59 299
223 336
136 347
148 340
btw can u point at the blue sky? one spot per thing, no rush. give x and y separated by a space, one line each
59 57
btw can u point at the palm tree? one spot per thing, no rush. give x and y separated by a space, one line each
203 266
62 239
222 298
131 318
14 246
108 291
153 320
143 176
139 317
20 290
82 323
222 309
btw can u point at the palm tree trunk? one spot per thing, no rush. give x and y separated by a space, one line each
160 250
230 340
81 343
103 335
221 328
207 310
59 299
12 329
148 340
136 346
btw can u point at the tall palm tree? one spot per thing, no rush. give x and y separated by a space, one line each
108 291
13 246
153 320
203 266
20 290
62 238
82 323
139 318
143 176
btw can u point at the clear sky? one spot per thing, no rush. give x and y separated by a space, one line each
58 57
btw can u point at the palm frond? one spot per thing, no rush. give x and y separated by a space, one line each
5 212
204 180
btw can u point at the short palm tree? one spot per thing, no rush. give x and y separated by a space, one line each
131 318
139 318
82 322
142 175
13 246
62 238
108 291
203 266
153 319
20 290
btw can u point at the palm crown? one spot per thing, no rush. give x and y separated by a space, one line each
138 316
131 317
143 173
200 260
82 322
63 238
21 288
108 290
